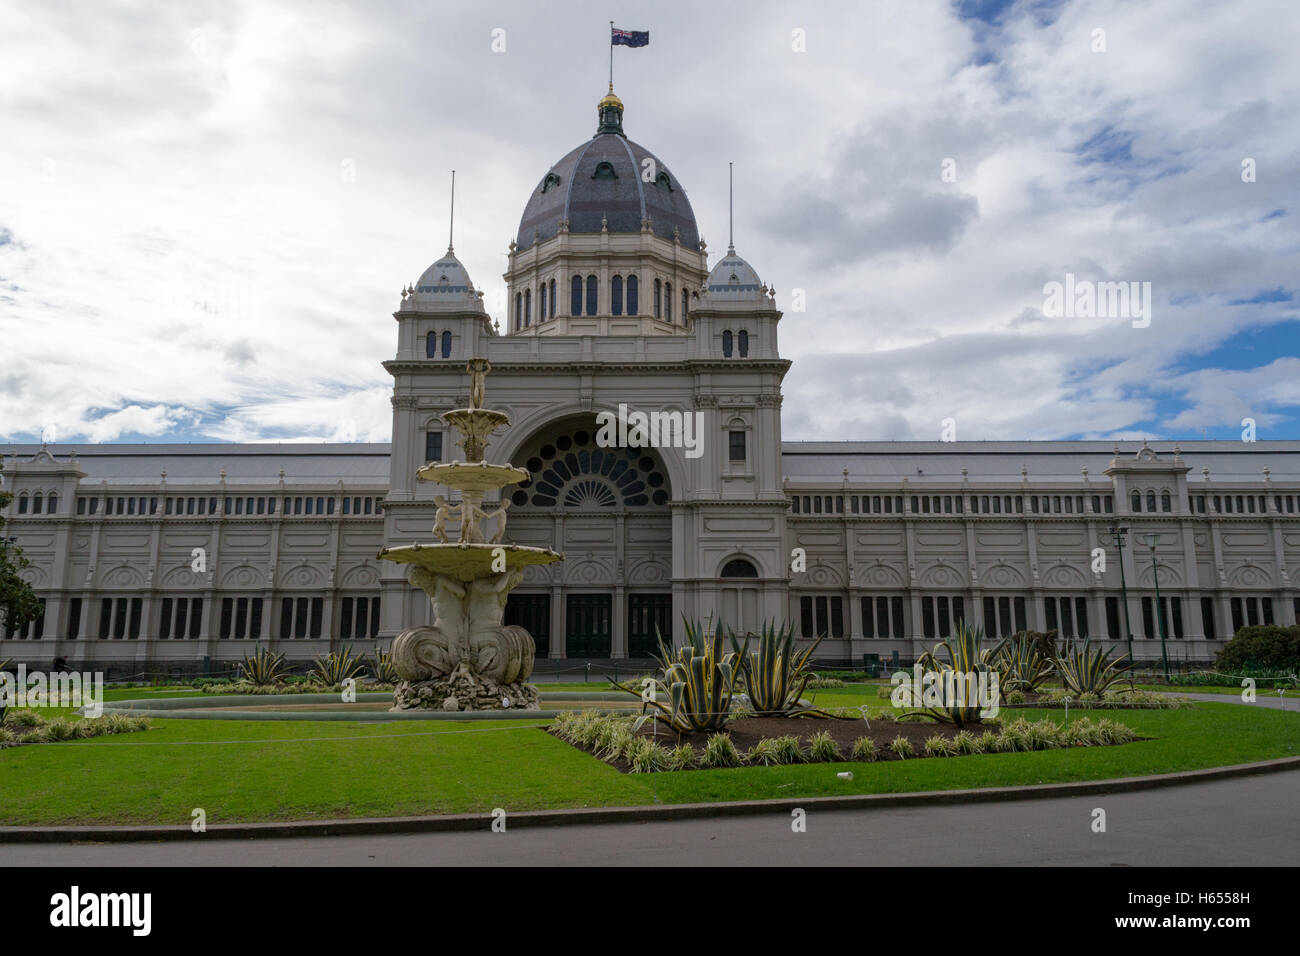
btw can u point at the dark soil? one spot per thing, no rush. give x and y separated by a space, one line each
747 731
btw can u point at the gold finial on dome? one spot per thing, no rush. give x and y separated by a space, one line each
610 99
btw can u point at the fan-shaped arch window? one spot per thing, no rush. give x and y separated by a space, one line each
658 299
743 342
1136 501
575 296
668 301
431 345
446 344
631 295
616 295
726 343
739 568
576 472
593 294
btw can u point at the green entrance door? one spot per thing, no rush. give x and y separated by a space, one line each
532 612
587 625
645 614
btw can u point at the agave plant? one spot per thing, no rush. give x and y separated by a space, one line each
694 686
1086 669
775 676
1020 663
3 664
383 668
263 667
336 667
965 662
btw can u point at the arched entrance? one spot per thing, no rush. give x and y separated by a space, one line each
607 510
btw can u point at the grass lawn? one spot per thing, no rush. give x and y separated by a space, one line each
302 770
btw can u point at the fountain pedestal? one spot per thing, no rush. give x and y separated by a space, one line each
468 659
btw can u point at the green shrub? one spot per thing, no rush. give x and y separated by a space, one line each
901 747
60 729
864 749
23 719
7 736
37 736
966 743
644 755
789 749
987 742
938 745
763 752
720 751
1261 647
822 748
1014 697
682 757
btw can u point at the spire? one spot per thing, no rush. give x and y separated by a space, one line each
451 224
731 207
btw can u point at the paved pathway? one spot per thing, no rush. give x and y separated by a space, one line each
1243 821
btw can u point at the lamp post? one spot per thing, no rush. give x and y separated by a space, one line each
1120 533
1152 540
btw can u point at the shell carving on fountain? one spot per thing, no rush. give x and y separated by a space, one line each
468 659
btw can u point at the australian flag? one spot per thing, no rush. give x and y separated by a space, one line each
629 37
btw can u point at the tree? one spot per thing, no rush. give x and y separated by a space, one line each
18 602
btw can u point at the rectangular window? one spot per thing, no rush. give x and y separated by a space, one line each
1049 605
433 446
227 607
1176 614
941 606
868 619
165 619
897 615
927 616
736 446
990 617
74 618
1207 618
882 617
374 618
1021 624
1238 620
823 622
1112 618
1148 619
1081 616
806 617
837 617
1267 607
317 613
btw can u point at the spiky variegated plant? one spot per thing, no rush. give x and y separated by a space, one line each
1020 663
775 676
965 657
693 688
263 667
336 667
383 667
1089 670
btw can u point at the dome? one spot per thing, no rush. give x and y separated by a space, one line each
444 285
733 280
600 184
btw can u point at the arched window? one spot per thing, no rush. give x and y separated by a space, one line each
528 307
431 345
22 504
616 295
1165 503
743 343
575 296
658 298
541 303
519 311
739 568
668 301
726 343
52 505
552 315
631 295
36 503
1137 501
593 295
1151 501
686 305
446 345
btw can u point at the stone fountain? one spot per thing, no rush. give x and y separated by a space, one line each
468 660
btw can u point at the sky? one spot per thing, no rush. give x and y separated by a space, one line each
208 210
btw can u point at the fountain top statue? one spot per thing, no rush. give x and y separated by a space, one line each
468 660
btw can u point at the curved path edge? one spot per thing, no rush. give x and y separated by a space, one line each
639 814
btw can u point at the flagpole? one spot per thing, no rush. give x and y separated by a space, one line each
611 56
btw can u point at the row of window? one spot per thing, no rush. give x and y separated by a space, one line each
741 341
1244 504
38 503
584 298
433 348
33 630
950 504
234 506
883 616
